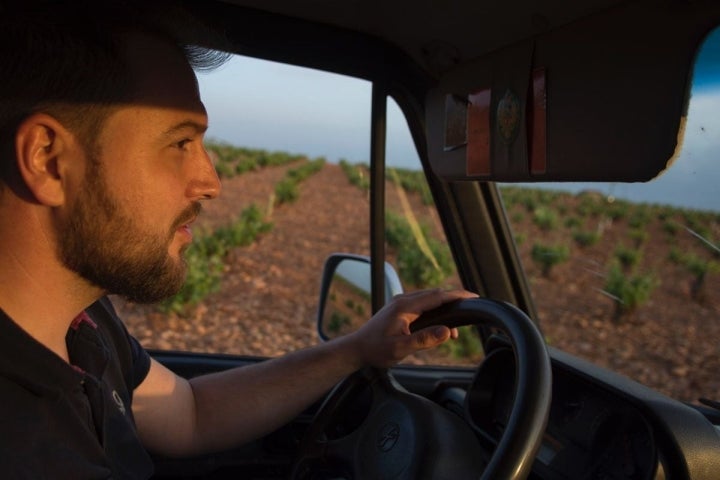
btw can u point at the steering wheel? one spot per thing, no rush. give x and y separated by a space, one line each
371 427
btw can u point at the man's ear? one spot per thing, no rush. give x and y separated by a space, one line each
42 146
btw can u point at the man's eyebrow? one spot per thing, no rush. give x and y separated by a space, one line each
191 124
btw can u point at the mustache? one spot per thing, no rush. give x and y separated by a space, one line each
187 215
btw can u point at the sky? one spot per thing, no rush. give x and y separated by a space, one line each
267 105
260 104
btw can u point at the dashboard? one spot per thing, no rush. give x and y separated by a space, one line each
601 425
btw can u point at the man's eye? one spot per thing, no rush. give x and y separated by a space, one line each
182 143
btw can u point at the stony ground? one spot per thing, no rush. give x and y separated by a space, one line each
267 302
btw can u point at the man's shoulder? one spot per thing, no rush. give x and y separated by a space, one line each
134 361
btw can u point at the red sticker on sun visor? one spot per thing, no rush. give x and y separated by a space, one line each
478 133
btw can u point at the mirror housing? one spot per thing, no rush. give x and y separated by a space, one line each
345 293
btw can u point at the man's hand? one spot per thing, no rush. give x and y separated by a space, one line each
386 338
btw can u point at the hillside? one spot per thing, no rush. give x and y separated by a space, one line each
268 294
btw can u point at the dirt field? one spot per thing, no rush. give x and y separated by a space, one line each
267 302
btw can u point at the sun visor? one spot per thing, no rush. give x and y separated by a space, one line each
601 99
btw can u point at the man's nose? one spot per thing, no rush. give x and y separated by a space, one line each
205 183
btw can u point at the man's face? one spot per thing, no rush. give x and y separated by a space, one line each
105 243
126 225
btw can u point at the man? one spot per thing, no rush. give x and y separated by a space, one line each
103 172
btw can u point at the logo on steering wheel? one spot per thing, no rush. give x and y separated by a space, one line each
388 436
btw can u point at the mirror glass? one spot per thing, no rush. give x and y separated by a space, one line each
348 304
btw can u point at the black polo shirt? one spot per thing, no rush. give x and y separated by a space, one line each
71 421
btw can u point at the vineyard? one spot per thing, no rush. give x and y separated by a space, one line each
630 286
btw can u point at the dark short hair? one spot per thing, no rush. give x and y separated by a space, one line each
63 58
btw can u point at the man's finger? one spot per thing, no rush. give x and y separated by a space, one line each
430 337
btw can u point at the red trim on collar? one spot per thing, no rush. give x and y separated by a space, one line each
83 317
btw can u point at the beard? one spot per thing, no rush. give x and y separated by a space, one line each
102 243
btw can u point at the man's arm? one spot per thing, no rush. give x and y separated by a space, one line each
177 417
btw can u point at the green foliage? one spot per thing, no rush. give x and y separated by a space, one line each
671 227
675 255
529 198
357 175
245 164
204 273
224 170
699 267
638 236
530 203
640 217
591 204
414 266
304 171
204 258
287 189
337 322
586 238
355 307
666 213
509 195
697 222
547 256
416 269
545 218
572 222
397 230
618 209
628 257
413 181
231 160
275 159
628 291
548 197
244 231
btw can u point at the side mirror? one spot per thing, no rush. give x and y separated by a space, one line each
345 293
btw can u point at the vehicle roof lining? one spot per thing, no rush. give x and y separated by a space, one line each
297 41
431 32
